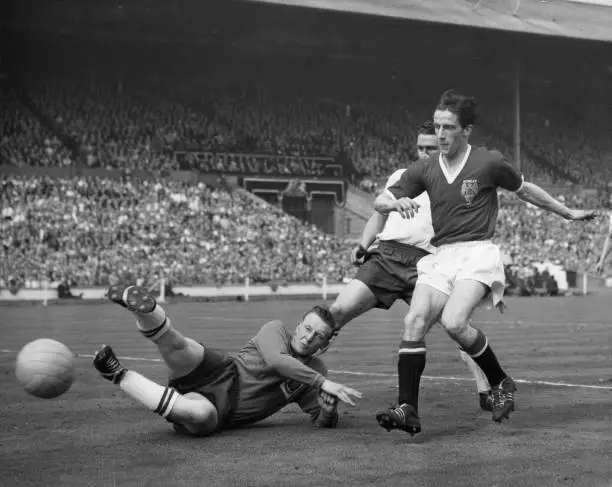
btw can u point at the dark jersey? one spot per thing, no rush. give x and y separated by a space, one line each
270 377
463 209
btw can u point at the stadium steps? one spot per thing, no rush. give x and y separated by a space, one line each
251 196
344 223
359 202
354 225
358 209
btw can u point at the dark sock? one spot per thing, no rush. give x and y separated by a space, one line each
483 355
410 367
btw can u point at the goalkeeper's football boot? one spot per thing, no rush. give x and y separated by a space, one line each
486 401
107 363
134 298
151 318
503 399
403 417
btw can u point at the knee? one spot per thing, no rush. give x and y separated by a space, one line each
199 409
196 413
416 321
455 324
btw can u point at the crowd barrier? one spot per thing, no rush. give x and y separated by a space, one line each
578 284
243 292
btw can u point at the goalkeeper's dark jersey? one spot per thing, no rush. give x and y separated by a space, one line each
270 376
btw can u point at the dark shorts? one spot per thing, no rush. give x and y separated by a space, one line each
390 272
215 379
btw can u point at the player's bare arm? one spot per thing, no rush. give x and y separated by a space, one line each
398 196
377 221
539 197
373 227
386 202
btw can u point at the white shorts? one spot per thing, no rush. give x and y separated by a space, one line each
477 260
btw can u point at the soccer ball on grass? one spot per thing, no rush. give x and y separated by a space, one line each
45 368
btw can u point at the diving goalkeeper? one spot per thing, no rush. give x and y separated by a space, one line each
210 390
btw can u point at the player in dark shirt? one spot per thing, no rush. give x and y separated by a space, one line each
462 183
210 390
389 249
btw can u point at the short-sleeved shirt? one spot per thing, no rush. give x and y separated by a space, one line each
464 207
417 231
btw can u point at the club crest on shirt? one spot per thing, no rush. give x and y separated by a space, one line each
469 190
292 388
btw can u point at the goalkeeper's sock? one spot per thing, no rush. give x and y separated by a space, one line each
482 384
156 398
410 367
483 355
153 325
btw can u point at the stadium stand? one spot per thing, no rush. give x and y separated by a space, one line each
96 230
137 124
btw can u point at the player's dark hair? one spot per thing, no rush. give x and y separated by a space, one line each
324 313
462 106
426 128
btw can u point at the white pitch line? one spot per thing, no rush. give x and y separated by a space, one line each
389 376
386 319
466 379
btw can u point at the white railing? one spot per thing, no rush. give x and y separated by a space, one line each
244 291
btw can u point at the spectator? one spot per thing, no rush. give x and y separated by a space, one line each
140 229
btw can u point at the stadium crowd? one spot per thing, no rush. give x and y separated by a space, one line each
528 234
89 229
24 141
94 231
139 125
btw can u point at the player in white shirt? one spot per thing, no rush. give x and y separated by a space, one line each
607 247
387 256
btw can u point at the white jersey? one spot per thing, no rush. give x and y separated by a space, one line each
416 231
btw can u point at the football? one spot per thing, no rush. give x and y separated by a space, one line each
45 368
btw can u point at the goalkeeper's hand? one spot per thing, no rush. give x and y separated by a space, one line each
344 393
359 255
327 402
327 417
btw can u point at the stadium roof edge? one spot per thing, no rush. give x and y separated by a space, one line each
580 19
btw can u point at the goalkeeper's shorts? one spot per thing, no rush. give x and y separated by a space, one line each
215 379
